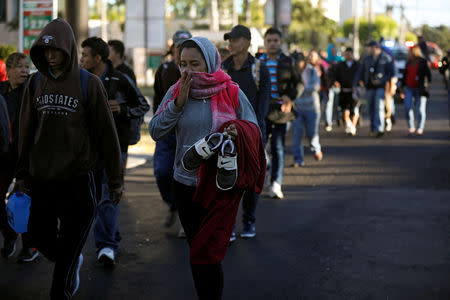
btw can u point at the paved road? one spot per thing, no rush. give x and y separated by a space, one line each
371 221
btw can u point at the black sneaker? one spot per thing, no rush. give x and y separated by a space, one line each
203 149
27 255
233 237
170 219
248 231
227 168
9 248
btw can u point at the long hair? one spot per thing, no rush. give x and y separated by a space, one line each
414 54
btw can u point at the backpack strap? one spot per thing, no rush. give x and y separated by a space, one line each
84 78
256 72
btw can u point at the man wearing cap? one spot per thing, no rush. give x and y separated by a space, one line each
253 79
377 69
164 156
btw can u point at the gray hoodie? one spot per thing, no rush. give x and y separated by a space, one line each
194 120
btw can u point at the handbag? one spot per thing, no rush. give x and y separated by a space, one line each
276 116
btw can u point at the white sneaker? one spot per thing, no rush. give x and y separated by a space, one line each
328 128
348 128
388 125
353 130
275 191
106 256
181 233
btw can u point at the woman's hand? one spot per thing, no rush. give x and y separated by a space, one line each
231 131
186 80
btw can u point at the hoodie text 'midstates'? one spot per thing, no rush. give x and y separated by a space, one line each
56 103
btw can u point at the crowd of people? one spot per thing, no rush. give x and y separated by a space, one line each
66 130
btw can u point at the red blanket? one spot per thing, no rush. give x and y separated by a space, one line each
210 244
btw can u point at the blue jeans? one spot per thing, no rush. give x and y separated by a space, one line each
310 120
412 96
375 100
163 160
277 144
106 227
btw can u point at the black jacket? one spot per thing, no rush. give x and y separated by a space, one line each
288 76
424 76
167 75
259 96
132 103
13 99
125 69
345 75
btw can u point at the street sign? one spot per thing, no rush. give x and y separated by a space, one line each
35 15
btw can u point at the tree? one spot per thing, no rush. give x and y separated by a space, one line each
439 35
383 26
309 27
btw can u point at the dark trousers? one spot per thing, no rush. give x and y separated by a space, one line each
61 215
208 279
249 203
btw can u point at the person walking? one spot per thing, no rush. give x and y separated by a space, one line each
376 69
416 87
345 73
308 112
117 58
210 114
126 103
167 75
253 79
284 76
18 70
65 125
3 73
333 91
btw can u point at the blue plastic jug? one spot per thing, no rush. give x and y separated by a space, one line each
18 211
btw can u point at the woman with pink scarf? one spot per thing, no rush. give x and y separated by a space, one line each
199 104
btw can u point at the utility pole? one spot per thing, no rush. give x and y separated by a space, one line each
77 17
235 13
401 35
104 21
214 24
356 30
370 19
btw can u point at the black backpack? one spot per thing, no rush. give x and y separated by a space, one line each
5 127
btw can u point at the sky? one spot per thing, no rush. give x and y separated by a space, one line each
418 12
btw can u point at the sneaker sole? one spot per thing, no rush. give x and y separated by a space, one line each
29 259
248 235
77 282
12 252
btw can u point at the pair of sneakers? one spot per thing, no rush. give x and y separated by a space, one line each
202 150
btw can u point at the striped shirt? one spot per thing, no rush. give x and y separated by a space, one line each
272 65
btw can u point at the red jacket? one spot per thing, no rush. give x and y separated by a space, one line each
210 244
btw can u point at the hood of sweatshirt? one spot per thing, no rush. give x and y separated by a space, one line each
57 34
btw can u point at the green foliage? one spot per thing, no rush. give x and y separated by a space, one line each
309 28
439 35
410 36
257 17
383 26
6 50
182 8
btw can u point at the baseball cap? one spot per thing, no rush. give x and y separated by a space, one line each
373 44
180 36
238 31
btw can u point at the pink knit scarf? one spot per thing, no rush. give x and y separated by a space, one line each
218 86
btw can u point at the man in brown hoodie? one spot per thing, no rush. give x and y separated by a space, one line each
63 131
